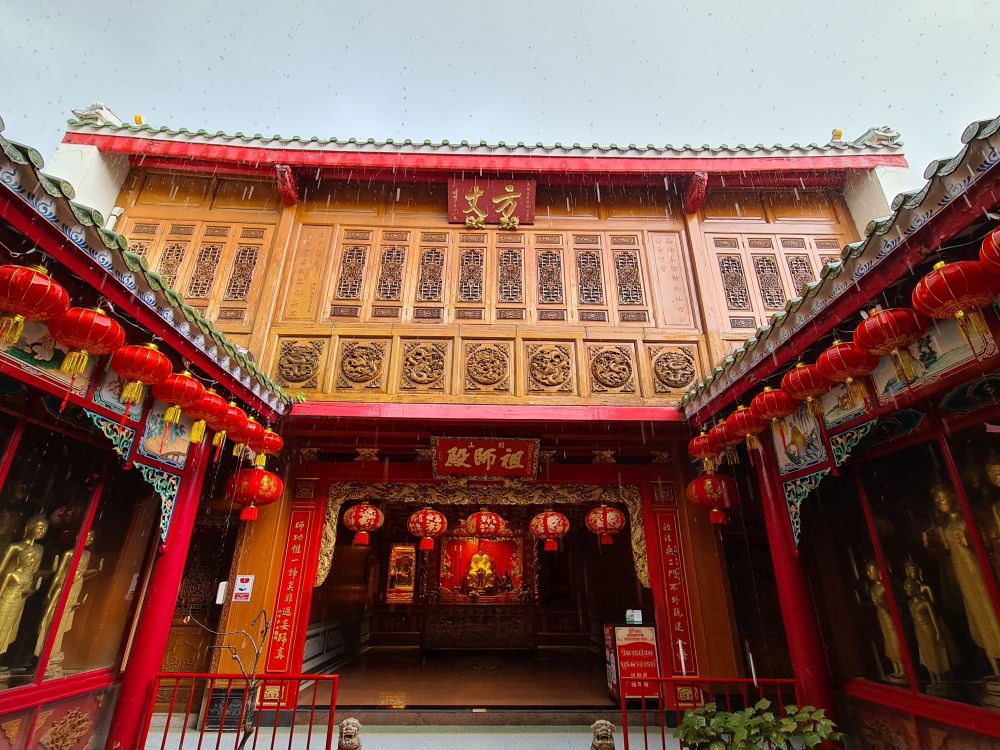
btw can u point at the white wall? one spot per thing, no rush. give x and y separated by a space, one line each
869 194
96 177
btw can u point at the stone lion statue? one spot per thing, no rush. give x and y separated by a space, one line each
350 735
604 735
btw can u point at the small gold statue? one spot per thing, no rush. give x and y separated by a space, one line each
890 639
953 537
480 578
19 578
933 638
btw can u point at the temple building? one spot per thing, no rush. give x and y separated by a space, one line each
461 380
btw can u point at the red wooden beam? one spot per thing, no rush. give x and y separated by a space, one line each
484 413
536 164
694 193
288 187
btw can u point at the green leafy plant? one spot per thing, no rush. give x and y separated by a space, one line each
708 728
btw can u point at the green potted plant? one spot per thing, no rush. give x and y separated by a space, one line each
708 728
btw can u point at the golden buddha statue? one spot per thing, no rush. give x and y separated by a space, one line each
480 577
73 601
890 638
953 537
19 578
933 639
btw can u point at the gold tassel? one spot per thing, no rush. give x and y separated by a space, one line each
752 442
219 439
856 391
75 363
198 431
132 391
11 329
815 406
732 456
238 449
172 415
905 365
260 460
709 464
969 322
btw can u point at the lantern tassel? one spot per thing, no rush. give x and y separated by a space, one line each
815 406
607 539
74 363
972 322
361 539
426 543
249 513
904 365
198 431
551 545
752 442
732 456
709 464
856 391
260 460
128 406
11 328
132 392
218 441
716 516
238 450
172 415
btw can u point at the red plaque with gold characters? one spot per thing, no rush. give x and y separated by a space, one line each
478 202
485 458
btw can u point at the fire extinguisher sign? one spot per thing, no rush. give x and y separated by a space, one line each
243 588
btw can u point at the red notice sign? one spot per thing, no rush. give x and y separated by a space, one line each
485 458
479 202
636 648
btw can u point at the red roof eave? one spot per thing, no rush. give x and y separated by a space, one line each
222 155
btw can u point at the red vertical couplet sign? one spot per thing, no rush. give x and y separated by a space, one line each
478 202
286 610
681 647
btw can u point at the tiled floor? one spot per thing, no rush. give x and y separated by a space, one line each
406 678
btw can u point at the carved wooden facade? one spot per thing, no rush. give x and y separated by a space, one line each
365 292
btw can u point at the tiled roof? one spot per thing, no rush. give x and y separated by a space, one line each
86 231
882 139
947 180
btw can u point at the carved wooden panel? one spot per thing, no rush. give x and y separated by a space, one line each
629 276
674 366
203 278
430 279
550 367
470 279
300 362
800 269
390 276
487 366
590 277
140 247
170 261
550 277
510 276
362 364
769 281
425 366
241 277
734 282
352 269
612 368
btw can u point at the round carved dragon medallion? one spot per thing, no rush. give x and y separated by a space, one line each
550 365
487 365
611 368
361 362
423 364
297 362
675 369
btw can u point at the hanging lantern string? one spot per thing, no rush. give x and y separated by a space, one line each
18 254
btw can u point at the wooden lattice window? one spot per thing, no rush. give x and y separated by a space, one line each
203 278
241 278
170 261
511 275
139 247
352 270
430 281
800 269
734 282
588 266
390 277
771 291
550 277
629 277
470 279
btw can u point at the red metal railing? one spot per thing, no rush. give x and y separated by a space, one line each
215 711
662 701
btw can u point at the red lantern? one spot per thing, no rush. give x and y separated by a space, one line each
605 521
363 519
266 445
27 294
745 423
139 366
252 488
84 332
180 391
427 524
846 363
806 383
485 523
715 492
551 527
891 333
989 253
723 436
211 408
251 432
704 449
772 405
233 421
958 290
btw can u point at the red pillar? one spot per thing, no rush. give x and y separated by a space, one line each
153 627
801 626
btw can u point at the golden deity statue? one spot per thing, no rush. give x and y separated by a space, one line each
933 639
19 578
890 638
991 530
60 568
480 577
952 535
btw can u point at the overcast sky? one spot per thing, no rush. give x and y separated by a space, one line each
655 71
